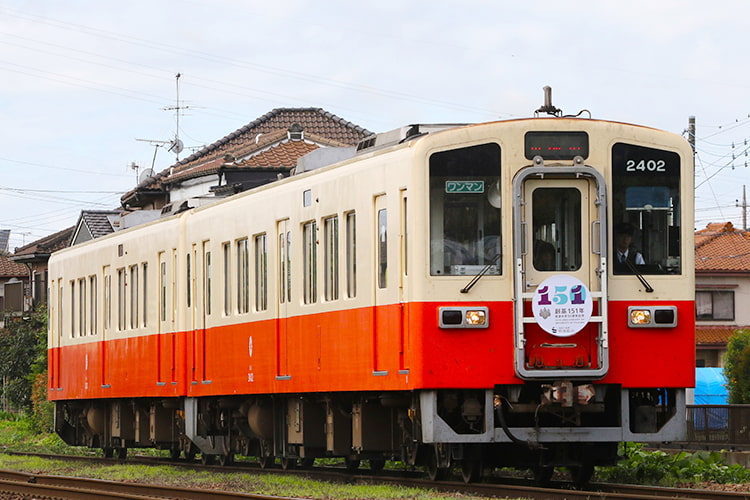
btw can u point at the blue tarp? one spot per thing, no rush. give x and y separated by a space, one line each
710 386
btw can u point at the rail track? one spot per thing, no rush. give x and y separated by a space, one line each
19 483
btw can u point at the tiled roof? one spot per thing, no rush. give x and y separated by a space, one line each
714 334
10 269
318 126
100 222
46 245
722 248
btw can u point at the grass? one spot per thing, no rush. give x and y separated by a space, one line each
18 436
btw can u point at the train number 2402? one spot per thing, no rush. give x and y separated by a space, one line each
645 166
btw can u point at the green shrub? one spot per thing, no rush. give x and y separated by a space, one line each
657 467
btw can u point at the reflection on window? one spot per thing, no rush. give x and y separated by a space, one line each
557 229
464 211
714 305
646 210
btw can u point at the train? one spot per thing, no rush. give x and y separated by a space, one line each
450 296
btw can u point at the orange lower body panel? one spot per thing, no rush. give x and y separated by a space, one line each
391 348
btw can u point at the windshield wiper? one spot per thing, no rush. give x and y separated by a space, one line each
479 275
638 275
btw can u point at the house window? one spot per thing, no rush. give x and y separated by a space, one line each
714 305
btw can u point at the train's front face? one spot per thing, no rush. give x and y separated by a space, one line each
587 223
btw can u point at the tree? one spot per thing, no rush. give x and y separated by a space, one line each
737 367
23 356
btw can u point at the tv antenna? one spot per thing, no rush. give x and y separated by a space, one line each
176 145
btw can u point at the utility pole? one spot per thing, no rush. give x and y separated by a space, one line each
744 209
691 132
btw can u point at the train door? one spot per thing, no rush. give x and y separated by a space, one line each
284 239
559 251
205 301
382 318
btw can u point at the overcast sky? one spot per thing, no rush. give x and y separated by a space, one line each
82 80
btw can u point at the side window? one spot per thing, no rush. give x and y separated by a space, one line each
646 210
382 247
144 269
207 283
243 277
331 257
134 297
465 211
310 262
226 252
82 304
121 297
92 305
351 255
72 308
261 273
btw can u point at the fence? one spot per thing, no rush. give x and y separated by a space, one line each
725 425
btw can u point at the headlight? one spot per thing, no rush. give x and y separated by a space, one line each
652 316
640 317
476 317
463 317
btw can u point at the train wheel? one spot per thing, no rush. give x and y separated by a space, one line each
542 474
377 464
267 462
226 459
434 472
351 464
581 474
288 463
471 470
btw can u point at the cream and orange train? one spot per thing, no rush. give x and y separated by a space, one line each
447 296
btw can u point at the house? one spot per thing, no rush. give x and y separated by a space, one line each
33 258
257 153
14 280
722 289
94 224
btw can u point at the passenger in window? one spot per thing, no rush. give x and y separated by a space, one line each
544 256
624 251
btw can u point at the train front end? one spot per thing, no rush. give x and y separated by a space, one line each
549 336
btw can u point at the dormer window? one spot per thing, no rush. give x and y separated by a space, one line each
295 132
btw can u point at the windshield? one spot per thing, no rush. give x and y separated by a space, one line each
645 210
464 211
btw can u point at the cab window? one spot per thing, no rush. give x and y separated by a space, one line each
465 211
646 210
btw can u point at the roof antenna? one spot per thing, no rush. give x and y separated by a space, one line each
176 145
548 107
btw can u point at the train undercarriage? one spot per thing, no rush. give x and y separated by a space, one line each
535 426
